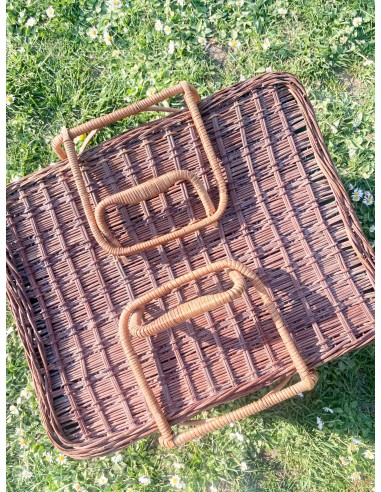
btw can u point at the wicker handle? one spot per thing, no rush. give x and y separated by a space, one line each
99 228
130 323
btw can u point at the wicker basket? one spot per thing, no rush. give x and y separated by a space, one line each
183 264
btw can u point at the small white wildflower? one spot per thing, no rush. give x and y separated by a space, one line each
171 47
368 62
356 476
343 461
22 442
352 447
26 393
10 330
372 228
178 466
115 4
357 194
202 40
175 481
128 99
348 29
333 129
22 14
243 466
151 91
167 30
355 440
10 99
144 480
61 459
328 410
19 431
234 43
350 186
239 3
50 12
181 3
129 489
77 487
107 38
158 25
343 39
351 153
331 40
368 199
266 44
320 423
26 475
282 12
115 53
48 457
268 69
369 455
102 480
93 32
31 22
13 410
357 21
117 458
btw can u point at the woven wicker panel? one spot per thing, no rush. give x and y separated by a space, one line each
288 218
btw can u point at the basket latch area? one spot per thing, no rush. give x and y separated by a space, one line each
131 324
150 188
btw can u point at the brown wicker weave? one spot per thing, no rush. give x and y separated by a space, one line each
184 264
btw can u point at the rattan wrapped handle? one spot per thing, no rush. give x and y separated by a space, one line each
99 228
130 323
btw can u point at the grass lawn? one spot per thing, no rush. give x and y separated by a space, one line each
85 58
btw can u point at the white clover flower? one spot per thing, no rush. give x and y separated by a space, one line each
328 410
357 21
171 47
117 458
367 63
175 481
77 487
239 3
159 25
26 393
282 12
320 423
50 12
268 69
103 480
31 22
22 442
61 459
202 40
356 476
234 43
26 475
115 53
144 480
357 194
10 99
167 30
243 466
266 44
368 199
178 466
344 461
13 410
151 91
107 38
372 228
93 32
115 4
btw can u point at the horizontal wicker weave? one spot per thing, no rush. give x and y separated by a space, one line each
287 218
